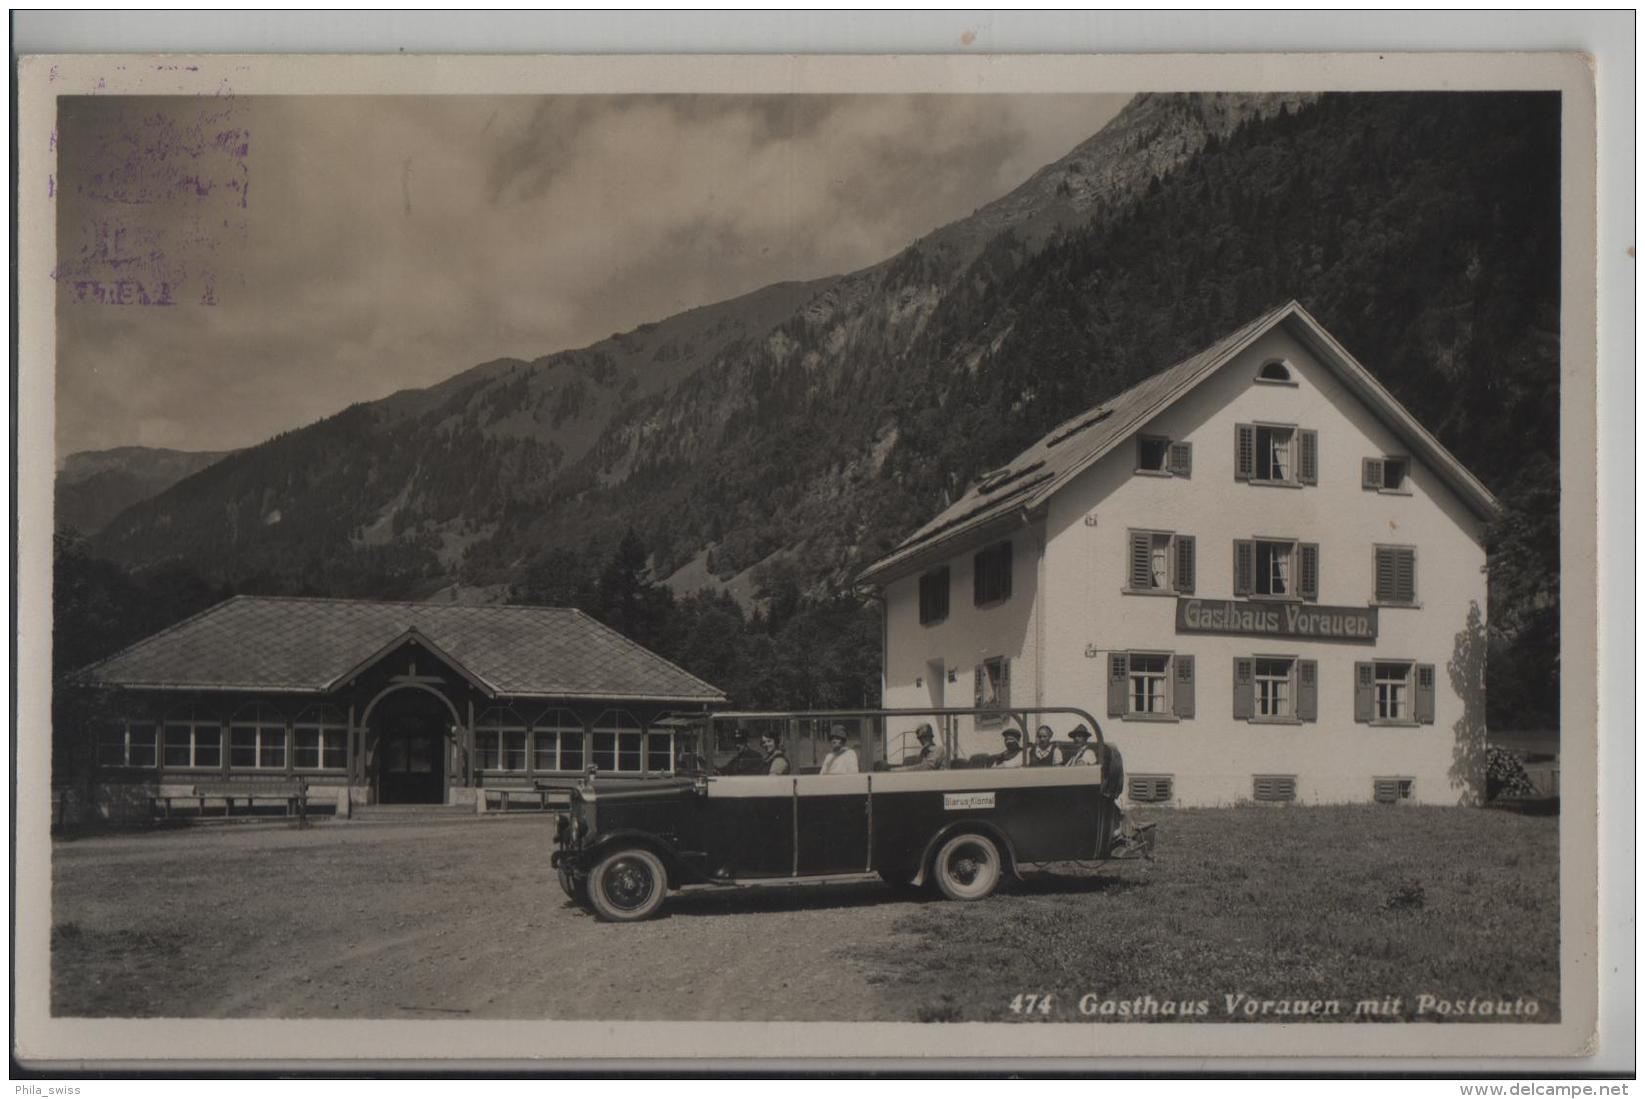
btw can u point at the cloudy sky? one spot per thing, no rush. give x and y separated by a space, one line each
228 269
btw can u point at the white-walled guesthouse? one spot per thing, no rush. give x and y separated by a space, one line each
1259 572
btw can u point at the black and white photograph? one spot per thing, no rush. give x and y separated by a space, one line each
882 546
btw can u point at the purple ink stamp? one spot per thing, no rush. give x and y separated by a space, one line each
152 195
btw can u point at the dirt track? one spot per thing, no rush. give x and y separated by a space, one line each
450 919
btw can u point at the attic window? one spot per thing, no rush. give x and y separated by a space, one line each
1078 425
1275 371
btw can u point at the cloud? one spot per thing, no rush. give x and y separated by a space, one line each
389 242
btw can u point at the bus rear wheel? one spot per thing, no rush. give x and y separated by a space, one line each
967 867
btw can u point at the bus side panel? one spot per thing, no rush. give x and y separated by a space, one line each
1052 823
1043 824
834 833
748 837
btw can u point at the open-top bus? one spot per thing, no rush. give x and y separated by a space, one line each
963 827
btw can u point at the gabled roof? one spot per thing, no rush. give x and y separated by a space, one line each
261 643
1020 489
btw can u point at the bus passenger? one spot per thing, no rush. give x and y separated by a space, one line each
745 760
933 756
840 760
1012 756
1043 753
776 762
1081 754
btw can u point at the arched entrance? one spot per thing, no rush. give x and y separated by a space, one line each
410 727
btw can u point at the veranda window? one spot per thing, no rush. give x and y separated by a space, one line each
192 738
320 740
257 739
619 743
129 744
500 741
557 742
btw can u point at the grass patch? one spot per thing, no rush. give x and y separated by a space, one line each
1292 906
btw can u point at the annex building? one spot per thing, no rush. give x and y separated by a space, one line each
1262 574
378 702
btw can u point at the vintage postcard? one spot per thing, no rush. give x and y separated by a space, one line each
562 559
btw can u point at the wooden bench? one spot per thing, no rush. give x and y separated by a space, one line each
545 796
294 794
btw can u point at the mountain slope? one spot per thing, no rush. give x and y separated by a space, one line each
402 495
385 496
1421 230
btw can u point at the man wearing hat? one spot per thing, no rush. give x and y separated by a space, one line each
840 760
1012 756
933 757
745 760
1081 754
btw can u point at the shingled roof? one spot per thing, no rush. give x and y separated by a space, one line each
1000 498
260 643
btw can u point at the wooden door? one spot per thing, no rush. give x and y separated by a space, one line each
412 771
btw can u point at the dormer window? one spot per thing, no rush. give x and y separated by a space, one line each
1158 454
1276 372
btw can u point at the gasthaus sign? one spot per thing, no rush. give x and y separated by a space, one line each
1277 619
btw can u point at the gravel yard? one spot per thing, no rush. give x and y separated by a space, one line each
462 918
453 919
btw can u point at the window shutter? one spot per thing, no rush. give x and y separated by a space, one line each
1405 576
1185 563
1119 666
1245 566
1370 473
1425 694
1182 699
1243 688
1385 575
1181 459
1142 572
1245 452
1002 697
1308 457
1308 690
1364 688
1308 580
982 678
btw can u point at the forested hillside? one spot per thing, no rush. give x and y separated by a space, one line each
1422 230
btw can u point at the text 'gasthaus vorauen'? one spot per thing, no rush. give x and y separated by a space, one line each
1279 619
